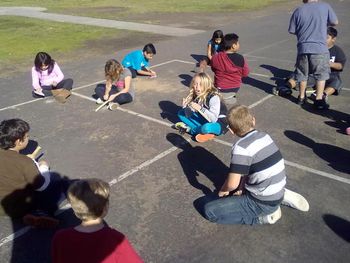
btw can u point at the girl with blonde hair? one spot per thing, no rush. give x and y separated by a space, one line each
203 114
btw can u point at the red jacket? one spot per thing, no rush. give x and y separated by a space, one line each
227 74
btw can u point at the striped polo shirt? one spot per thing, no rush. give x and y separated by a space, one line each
256 155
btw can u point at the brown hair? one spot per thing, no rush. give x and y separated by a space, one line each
89 198
113 69
240 119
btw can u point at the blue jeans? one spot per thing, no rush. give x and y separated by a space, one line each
198 124
235 209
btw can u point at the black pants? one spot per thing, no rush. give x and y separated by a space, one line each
64 84
120 99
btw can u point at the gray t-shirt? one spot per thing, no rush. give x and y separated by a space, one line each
120 83
309 23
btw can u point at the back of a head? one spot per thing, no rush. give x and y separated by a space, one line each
229 40
89 198
332 32
149 49
240 119
12 130
113 69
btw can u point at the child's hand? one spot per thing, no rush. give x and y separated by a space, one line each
223 193
54 84
105 97
112 97
195 106
184 102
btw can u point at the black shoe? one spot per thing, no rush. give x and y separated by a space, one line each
284 91
301 101
321 105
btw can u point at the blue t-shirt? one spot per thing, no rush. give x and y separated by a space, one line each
135 60
215 48
309 23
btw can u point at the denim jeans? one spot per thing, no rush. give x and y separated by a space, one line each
235 209
198 124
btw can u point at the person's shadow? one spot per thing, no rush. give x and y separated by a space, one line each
169 110
186 79
338 158
196 161
279 74
339 225
258 84
339 120
198 58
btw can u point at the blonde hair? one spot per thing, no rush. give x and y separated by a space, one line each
89 198
240 119
208 88
113 69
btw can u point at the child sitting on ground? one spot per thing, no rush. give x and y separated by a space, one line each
119 88
257 178
138 61
92 240
27 189
213 47
229 68
203 114
48 79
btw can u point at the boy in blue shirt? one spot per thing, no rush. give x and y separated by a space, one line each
138 61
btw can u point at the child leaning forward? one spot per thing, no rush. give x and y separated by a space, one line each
203 114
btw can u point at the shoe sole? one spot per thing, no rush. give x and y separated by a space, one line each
204 137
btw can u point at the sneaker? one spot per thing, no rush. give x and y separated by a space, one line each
99 101
271 218
295 200
38 94
284 91
321 105
204 137
40 221
182 127
113 106
301 101
313 97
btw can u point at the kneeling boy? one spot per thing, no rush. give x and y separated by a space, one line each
138 61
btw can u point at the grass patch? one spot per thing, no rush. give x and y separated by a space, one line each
123 8
22 38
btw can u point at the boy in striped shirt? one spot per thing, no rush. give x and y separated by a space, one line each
257 178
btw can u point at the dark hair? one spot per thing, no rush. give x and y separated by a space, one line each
229 40
217 34
149 49
332 32
42 58
12 130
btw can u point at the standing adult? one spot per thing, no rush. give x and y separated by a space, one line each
309 23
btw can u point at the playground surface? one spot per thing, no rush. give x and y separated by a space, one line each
156 174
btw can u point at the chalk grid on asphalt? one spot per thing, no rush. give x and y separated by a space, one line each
123 176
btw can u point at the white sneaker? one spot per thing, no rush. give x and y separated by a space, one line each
99 101
271 218
113 106
295 200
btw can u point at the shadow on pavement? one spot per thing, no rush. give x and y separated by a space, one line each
169 110
338 158
339 226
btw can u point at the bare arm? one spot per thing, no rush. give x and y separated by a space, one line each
231 183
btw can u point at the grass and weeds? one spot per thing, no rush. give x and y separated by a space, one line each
21 38
109 8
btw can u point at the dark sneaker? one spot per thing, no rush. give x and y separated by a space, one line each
39 221
301 101
182 127
321 105
284 91
313 97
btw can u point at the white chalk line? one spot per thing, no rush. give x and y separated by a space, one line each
121 177
301 167
75 89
